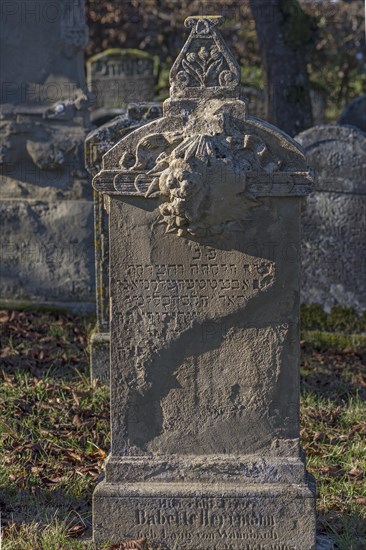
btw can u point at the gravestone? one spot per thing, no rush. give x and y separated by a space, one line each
204 283
355 113
118 77
46 207
97 143
334 218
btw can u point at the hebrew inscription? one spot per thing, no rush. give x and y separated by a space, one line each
161 288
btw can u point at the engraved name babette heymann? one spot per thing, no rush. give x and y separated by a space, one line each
204 517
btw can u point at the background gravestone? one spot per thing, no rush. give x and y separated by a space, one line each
204 283
97 143
118 77
46 207
355 113
334 218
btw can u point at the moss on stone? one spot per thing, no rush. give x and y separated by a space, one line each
120 51
340 319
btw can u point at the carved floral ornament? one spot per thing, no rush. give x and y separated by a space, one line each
206 161
204 62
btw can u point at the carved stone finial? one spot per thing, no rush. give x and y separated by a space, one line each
205 67
202 24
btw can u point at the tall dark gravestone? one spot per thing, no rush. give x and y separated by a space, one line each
204 289
46 206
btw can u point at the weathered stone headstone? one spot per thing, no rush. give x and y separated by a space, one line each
118 77
98 142
334 218
47 252
204 283
355 113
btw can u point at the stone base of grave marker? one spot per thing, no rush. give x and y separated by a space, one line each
47 255
207 515
204 228
99 356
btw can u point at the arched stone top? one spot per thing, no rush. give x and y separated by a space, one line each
205 139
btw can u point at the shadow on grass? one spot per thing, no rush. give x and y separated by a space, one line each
333 384
44 343
51 346
336 375
40 507
347 531
54 428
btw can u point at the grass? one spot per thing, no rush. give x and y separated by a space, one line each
333 419
54 432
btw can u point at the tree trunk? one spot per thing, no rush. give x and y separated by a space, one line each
284 31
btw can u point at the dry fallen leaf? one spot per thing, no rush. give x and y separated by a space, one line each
49 482
4 316
318 436
76 421
138 544
356 472
332 471
75 398
73 456
76 530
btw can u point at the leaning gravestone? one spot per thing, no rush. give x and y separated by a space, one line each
97 143
204 283
118 77
334 218
355 113
46 207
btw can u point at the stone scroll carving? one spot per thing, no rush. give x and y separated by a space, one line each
197 174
